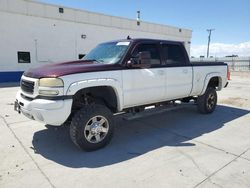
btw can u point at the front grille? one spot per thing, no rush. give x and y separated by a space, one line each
27 86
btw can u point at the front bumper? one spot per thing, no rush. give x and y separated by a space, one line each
51 112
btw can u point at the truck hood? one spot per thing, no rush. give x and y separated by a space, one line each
66 68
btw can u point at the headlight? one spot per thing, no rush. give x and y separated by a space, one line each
50 82
50 86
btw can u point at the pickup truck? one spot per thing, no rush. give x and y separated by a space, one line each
123 76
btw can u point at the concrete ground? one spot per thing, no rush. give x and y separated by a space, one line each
181 148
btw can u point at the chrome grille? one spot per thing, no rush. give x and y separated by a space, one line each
27 86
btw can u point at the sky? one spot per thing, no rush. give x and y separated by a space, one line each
229 18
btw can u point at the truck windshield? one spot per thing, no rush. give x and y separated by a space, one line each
108 53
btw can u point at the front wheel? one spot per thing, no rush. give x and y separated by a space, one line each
92 127
207 102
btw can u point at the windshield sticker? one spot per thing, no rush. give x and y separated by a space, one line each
122 44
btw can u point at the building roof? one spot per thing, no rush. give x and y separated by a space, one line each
38 9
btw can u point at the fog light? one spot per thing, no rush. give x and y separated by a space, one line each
48 92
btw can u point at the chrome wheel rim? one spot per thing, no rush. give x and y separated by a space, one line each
96 129
211 100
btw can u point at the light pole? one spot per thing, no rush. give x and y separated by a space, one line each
138 17
209 39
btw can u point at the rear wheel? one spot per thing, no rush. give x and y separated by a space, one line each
207 102
92 127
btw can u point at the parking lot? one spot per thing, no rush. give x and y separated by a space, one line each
181 148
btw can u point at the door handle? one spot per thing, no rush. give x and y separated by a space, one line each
161 72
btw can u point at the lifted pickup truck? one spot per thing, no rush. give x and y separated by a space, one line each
118 76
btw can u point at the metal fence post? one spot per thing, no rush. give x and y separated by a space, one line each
249 64
233 62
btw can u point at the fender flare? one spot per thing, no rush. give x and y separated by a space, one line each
208 78
109 82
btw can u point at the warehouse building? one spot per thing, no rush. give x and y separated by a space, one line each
34 34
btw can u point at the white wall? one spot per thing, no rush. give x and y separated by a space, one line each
51 37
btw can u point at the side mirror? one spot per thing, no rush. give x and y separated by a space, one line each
141 60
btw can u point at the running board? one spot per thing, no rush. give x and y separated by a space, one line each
150 112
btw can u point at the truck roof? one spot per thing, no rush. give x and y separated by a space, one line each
146 40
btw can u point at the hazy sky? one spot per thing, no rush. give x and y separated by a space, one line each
229 18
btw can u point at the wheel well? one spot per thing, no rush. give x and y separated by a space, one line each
214 82
95 95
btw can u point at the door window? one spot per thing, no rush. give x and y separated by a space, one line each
153 49
173 54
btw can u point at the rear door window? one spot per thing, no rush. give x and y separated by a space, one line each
173 54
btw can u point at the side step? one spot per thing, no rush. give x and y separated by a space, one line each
151 111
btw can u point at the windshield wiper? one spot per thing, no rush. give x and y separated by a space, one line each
96 60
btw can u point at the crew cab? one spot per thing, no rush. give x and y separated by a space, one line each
123 76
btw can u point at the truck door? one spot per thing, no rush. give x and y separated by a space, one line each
144 85
178 73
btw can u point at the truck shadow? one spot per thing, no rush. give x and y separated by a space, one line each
134 138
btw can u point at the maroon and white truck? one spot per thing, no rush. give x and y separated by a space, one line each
123 76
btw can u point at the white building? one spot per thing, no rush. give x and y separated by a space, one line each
33 34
